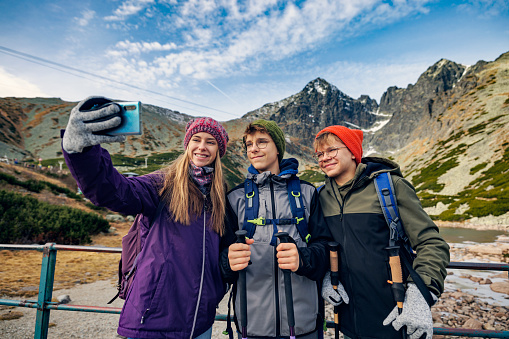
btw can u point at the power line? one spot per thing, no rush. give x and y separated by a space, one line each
45 62
83 77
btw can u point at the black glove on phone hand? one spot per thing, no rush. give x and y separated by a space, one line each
88 118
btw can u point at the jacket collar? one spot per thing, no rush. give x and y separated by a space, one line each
289 167
369 168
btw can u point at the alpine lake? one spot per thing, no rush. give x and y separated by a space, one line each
461 235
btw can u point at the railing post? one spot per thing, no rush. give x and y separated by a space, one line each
49 258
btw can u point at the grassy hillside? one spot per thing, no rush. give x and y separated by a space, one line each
35 208
460 169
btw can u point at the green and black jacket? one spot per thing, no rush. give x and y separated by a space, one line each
355 219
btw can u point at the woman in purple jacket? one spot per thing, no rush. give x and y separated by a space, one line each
178 282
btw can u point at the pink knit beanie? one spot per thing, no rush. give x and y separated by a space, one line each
209 126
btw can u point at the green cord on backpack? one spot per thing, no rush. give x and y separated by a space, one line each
251 219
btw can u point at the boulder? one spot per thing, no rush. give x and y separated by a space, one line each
473 324
500 287
115 218
485 249
437 317
64 299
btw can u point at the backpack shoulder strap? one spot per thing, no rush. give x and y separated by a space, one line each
385 191
229 330
297 206
387 198
252 205
407 259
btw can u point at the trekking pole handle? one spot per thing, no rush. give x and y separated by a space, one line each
396 275
241 236
334 278
398 288
334 263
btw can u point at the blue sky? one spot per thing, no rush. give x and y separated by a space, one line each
224 58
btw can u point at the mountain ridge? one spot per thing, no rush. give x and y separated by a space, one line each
451 120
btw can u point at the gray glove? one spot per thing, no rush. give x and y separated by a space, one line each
332 296
416 315
79 132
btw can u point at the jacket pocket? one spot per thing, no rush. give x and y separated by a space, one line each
145 293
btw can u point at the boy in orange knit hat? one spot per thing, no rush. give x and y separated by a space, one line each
356 221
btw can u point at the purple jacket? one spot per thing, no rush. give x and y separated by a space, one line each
172 265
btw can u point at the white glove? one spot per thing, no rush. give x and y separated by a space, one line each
330 295
81 127
416 315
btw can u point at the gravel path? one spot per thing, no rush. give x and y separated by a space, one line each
69 324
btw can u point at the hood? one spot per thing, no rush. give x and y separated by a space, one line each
371 166
288 167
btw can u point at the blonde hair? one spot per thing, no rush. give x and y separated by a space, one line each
325 138
183 196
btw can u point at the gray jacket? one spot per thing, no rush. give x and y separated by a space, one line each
266 302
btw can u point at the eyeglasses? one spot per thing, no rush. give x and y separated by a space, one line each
330 153
260 143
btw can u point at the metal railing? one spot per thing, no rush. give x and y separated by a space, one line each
44 305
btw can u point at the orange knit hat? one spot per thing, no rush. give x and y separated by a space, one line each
352 138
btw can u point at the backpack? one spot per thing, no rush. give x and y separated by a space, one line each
385 192
251 219
131 248
388 203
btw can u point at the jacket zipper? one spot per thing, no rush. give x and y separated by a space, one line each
276 271
202 267
344 253
143 316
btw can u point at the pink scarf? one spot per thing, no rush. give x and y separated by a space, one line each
201 175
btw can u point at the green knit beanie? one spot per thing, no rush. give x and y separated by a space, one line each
275 133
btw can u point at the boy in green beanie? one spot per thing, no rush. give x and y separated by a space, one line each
263 210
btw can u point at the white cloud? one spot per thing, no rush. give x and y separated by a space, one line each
13 86
272 33
127 47
225 38
85 18
128 8
485 8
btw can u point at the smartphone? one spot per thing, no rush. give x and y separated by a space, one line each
131 120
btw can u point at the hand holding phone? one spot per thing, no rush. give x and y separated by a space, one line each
131 120
88 118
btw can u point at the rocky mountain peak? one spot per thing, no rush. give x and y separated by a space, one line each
441 76
322 87
416 104
319 104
